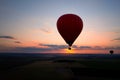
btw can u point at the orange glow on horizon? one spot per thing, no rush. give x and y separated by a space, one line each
69 51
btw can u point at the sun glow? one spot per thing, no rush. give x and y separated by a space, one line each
69 51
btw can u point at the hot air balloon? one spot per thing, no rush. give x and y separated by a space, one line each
69 26
111 51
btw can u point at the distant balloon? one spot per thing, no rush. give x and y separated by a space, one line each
69 26
111 51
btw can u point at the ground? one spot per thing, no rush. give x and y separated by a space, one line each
59 68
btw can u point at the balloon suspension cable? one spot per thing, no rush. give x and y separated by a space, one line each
69 47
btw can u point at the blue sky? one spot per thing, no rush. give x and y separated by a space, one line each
33 22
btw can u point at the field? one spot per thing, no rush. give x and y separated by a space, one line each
59 67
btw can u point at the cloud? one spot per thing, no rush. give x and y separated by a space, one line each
98 48
34 49
31 49
18 42
7 37
117 48
116 39
45 30
89 47
21 49
43 48
85 47
51 46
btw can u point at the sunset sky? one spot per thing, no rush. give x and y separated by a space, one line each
30 26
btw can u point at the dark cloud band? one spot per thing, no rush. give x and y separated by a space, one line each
7 37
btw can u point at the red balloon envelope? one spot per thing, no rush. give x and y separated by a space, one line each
69 27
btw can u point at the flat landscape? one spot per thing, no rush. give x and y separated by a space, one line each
59 66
